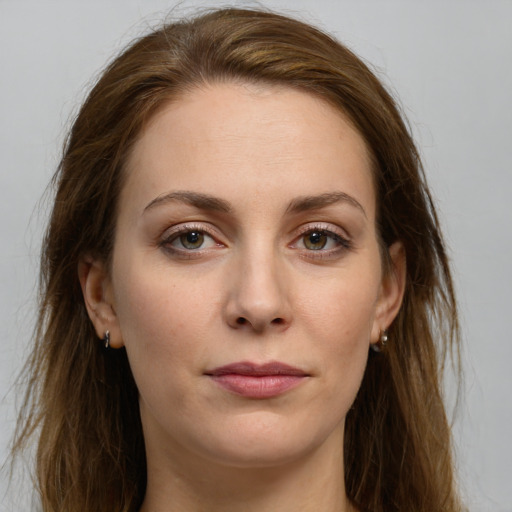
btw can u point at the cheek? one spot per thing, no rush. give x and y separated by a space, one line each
340 318
342 309
162 321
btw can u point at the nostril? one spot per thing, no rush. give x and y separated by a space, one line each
243 321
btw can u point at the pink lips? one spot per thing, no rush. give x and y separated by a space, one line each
257 381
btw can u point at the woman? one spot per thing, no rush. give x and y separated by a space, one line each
240 218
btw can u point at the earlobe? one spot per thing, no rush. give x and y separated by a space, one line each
391 292
98 297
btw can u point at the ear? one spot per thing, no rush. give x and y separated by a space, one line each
391 291
99 300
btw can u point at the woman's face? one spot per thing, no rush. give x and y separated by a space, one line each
246 282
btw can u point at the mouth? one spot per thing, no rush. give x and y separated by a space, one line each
257 381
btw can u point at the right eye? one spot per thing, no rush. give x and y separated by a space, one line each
189 239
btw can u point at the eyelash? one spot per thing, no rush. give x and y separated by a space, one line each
342 244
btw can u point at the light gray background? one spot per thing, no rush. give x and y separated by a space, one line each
449 62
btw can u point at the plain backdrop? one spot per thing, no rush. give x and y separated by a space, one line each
448 61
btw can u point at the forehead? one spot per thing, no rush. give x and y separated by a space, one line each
231 138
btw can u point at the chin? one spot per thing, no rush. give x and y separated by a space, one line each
262 442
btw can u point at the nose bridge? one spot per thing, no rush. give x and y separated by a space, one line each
259 297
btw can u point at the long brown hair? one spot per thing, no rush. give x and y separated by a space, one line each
82 401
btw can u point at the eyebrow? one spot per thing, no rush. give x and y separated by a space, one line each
306 203
212 203
200 201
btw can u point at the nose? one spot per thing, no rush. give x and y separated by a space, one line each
258 294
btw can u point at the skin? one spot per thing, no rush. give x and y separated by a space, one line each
257 289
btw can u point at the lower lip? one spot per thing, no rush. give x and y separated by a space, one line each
264 386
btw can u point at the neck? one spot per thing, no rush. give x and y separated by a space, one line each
309 483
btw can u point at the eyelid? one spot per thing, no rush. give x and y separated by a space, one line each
184 227
323 226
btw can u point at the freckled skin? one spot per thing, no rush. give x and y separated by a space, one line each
178 310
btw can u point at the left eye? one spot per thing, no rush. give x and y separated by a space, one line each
319 239
192 240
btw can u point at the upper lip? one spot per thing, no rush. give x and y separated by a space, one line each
254 369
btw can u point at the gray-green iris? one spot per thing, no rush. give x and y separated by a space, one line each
315 240
192 240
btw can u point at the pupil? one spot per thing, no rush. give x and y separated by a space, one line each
316 240
193 237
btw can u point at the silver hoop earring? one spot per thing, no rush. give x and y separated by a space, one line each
383 338
381 344
106 339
